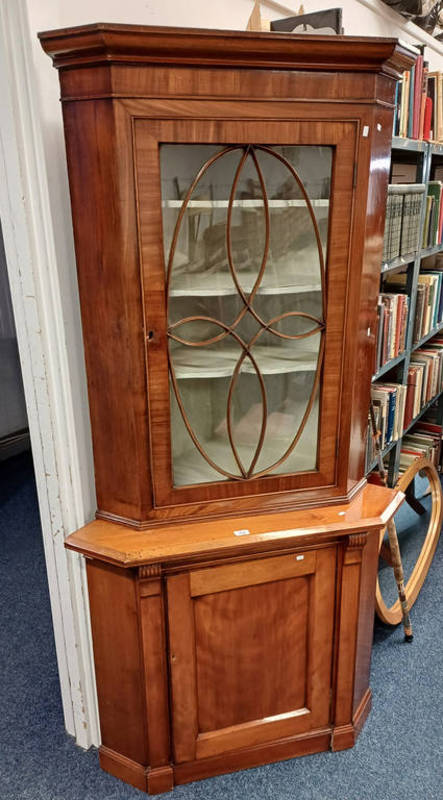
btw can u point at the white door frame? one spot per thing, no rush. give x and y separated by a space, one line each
30 254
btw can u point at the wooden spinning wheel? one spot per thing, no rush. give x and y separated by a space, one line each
392 615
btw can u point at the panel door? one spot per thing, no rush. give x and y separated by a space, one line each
250 652
245 234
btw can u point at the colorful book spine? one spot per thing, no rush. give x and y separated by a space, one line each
418 110
410 123
424 92
427 121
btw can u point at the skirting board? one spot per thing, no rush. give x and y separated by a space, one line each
162 779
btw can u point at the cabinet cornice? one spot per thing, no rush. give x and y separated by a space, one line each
105 43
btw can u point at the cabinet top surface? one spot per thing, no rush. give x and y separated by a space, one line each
115 43
107 541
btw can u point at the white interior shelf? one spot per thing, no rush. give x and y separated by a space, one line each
201 362
190 467
300 276
203 285
252 203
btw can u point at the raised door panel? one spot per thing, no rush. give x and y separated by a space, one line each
244 228
250 652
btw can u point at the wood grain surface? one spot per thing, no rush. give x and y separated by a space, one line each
205 539
107 42
250 664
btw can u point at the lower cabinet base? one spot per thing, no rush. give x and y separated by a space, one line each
124 768
345 736
152 781
231 655
163 779
280 750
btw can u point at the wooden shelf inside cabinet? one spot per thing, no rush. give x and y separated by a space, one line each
270 360
227 244
221 283
251 203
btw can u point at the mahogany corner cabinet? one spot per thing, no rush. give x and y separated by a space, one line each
228 197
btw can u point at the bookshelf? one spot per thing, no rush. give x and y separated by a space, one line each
425 156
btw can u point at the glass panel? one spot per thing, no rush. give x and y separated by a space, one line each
245 236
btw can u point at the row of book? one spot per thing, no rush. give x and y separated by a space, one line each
424 440
419 103
433 223
428 304
425 375
402 221
429 298
396 405
392 325
389 402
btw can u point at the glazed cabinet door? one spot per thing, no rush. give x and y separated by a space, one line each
245 233
250 652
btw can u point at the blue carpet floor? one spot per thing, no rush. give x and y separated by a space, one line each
399 755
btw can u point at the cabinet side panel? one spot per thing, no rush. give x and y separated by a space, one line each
346 639
374 161
365 618
113 601
99 151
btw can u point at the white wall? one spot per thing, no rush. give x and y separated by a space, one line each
374 18
12 399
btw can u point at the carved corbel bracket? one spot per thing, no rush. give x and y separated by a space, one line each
150 571
149 579
354 548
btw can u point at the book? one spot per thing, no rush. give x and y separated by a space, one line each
398 95
432 94
434 190
427 119
379 335
418 319
403 132
403 173
390 399
410 121
424 91
432 279
439 107
418 84
425 236
403 217
392 325
410 395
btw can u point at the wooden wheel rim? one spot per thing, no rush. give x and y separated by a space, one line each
392 615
